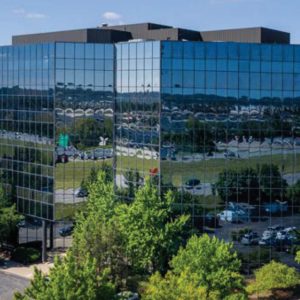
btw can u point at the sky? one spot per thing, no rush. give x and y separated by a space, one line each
33 16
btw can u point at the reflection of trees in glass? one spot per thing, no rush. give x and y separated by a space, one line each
93 176
133 181
86 132
263 182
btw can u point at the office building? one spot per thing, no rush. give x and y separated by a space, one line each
211 115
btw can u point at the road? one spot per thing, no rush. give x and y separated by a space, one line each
31 234
9 284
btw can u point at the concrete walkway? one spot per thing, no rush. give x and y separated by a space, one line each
14 268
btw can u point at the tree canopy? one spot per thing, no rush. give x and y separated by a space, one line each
206 266
69 280
9 220
273 276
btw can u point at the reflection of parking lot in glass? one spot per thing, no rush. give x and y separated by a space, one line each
276 234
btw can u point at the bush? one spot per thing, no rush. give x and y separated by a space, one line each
295 249
25 255
242 232
233 235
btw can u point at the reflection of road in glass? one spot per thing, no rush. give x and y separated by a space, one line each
32 234
67 197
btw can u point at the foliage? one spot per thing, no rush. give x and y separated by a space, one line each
206 267
86 132
273 276
93 176
101 198
294 193
151 234
273 185
103 241
9 220
233 188
251 183
133 181
186 286
25 255
142 233
69 280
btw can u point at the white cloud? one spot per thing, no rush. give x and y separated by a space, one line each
35 16
19 11
112 16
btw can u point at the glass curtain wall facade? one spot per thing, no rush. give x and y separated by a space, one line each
84 94
230 131
56 128
137 105
27 129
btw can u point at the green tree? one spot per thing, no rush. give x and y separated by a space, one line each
69 280
233 185
172 287
273 276
133 182
103 241
97 231
86 132
273 185
151 234
206 266
9 220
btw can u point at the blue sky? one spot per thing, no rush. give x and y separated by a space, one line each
32 16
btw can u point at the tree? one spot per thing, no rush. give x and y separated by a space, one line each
9 220
233 185
133 181
103 241
272 184
69 280
97 231
172 287
150 232
206 267
273 276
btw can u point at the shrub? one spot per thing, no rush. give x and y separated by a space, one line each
25 255
233 235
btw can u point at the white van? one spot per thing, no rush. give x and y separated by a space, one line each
229 216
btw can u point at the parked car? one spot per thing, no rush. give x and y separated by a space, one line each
17 135
286 234
127 296
228 216
61 158
80 193
270 241
272 208
251 238
231 154
193 184
22 223
271 231
66 231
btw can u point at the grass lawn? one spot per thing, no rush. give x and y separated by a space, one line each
207 171
71 174
67 211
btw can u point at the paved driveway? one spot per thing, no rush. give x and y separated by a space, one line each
11 283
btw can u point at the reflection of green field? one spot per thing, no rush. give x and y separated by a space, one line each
67 212
71 174
207 171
